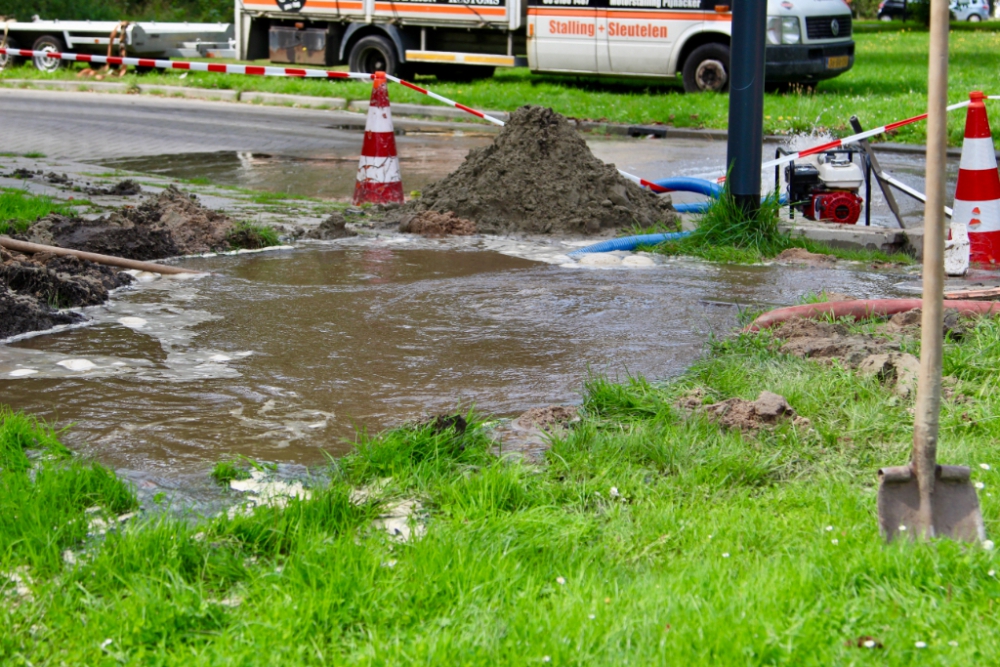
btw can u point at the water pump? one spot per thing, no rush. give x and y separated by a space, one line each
826 188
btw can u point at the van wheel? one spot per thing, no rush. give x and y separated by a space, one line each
707 69
10 61
51 44
975 18
373 53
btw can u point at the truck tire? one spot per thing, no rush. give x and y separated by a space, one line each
48 43
707 69
10 61
372 54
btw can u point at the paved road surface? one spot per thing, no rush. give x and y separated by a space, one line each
87 126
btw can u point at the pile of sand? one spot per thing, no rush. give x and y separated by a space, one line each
169 224
539 176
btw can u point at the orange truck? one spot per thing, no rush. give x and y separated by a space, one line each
807 40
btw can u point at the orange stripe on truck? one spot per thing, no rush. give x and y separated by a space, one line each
440 9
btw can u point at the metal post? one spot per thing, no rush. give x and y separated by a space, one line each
746 102
890 199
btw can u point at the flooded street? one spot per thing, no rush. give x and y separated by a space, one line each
285 355
428 157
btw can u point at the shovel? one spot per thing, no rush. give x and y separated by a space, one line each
925 500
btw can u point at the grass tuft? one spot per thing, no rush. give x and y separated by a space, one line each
250 236
19 209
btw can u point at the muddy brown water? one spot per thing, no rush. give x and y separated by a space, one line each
285 355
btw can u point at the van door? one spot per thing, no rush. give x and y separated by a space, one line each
641 34
563 35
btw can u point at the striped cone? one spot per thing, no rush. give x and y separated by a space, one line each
977 195
378 171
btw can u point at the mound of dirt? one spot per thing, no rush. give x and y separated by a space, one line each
432 223
169 224
334 227
539 176
767 410
548 418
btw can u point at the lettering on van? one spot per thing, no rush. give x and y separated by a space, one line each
648 30
291 5
571 28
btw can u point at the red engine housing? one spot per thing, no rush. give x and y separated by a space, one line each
838 206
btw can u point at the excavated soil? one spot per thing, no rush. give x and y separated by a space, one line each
169 224
32 288
539 176
432 223
334 227
767 410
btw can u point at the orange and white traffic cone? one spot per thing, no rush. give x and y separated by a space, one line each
379 181
977 194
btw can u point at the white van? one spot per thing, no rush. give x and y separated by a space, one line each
807 40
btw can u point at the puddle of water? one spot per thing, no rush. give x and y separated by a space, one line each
330 174
283 356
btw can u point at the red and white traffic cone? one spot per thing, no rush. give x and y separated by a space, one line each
977 195
379 180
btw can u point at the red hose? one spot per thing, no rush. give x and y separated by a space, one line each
863 309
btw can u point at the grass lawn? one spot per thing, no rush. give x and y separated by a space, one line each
650 536
19 209
887 83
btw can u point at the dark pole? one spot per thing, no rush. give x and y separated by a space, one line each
746 102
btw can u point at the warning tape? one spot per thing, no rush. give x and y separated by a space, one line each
250 70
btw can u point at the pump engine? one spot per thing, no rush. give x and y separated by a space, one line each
827 189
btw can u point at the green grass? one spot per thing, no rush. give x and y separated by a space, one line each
887 83
716 548
19 209
250 236
226 471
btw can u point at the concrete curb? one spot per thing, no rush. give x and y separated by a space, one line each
254 97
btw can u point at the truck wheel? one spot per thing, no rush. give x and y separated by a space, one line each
707 69
373 53
10 61
52 44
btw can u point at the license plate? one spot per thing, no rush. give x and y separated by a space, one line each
838 62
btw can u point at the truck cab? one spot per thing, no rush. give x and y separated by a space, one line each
807 41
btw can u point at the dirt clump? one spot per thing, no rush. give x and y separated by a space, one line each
169 224
539 176
548 418
334 227
432 223
803 256
823 341
20 314
32 288
898 370
122 188
908 323
767 410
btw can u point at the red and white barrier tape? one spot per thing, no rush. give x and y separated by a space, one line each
250 70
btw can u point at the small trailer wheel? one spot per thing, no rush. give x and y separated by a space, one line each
51 44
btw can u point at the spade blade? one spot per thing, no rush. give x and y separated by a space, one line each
954 505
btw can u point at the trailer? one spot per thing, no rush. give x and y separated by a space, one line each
143 39
467 39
